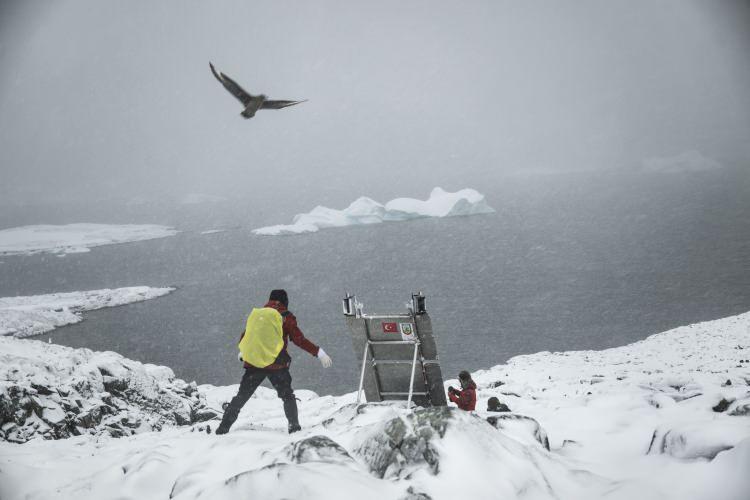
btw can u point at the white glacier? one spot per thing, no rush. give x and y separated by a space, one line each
368 211
37 314
75 238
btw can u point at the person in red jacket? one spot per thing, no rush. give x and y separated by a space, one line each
466 398
277 372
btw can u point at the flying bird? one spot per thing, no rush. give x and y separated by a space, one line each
252 103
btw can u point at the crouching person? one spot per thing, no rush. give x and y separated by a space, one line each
466 398
263 348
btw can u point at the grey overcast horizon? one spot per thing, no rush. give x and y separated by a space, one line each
103 102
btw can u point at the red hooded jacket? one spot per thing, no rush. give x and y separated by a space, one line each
291 331
465 399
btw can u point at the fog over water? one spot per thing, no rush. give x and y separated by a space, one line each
565 115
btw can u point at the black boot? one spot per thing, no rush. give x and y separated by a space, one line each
290 410
230 415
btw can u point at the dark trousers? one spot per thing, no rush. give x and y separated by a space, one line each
281 381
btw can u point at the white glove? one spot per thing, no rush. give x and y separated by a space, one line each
324 358
239 356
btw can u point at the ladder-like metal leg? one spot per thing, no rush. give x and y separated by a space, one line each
413 369
362 375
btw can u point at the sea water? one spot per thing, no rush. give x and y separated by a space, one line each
574 262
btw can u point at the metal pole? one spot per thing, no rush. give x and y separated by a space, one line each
413 369
362 375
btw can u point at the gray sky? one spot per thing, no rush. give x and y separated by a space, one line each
103 99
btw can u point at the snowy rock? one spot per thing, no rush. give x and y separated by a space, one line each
204 414
698 439
523 428
404 443
55 392
37 314
74 238
319 449
459 448
367 211
740 408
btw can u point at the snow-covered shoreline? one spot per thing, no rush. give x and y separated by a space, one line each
664 418
365 211
37 314
75 238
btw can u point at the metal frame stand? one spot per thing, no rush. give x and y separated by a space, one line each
386 361
374 363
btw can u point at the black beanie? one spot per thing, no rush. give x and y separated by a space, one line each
464 375
279 296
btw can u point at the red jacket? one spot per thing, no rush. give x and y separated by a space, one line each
291 331
465 399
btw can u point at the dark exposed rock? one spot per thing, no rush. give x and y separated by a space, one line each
6 409
722 406
44 391
115 385
191 388
494 405
493 385
181 418
412 494
91 418
32 404
204 414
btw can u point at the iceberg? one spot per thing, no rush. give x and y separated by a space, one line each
365 210
37 314
75 238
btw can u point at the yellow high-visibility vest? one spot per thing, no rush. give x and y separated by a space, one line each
264 337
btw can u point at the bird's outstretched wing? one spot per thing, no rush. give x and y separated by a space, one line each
241 94
279 104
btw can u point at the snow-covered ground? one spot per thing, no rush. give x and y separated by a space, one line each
367 211
37 314
49 391
664 418
75 238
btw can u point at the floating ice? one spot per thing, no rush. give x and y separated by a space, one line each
368 211
75 238
37 314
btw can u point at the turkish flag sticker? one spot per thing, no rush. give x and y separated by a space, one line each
390 327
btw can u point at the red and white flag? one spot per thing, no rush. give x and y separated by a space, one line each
389 327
